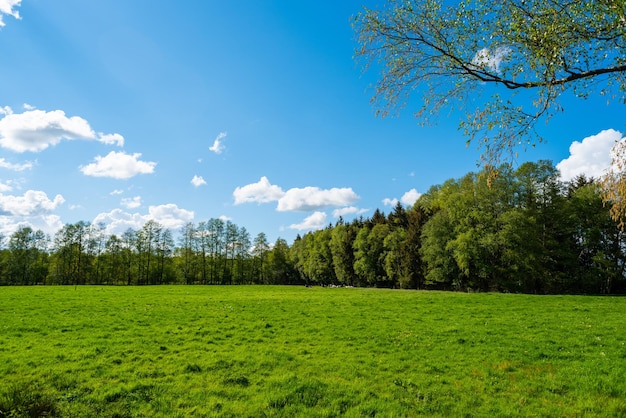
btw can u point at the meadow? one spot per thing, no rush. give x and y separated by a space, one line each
255 351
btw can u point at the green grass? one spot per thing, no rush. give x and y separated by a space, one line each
296 351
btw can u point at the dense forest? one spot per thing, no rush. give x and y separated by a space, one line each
523 230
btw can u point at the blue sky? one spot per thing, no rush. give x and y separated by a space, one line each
120 111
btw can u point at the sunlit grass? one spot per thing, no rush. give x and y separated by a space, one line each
289 351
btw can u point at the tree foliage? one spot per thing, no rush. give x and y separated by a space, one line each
523 54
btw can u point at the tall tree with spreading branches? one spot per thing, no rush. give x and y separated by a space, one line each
505 64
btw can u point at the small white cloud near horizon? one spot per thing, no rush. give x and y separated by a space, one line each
118 165
217 146
306 199
6 8
313 198
131 202
15 167
35 130
198 181
169 215
410 197
590 157
316 220
261 192
350 210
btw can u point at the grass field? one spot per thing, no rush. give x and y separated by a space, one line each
296 351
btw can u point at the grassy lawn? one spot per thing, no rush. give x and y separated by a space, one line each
295 351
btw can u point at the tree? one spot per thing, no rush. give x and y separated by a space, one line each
447 53
148 242
279 269
186 252
341 241
70 261
260 247
27 257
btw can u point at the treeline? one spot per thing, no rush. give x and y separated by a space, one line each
211 252
522 230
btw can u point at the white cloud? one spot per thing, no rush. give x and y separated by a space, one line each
111 139
487 59
198 181
590 157
15 167
5 187
296 199
225 218
260 192
118 165
350 210
410 197
217 146
116 192
131 202
313 198
169 215
316 220
117 221
6 8
32 203
33 209
35 130
48 223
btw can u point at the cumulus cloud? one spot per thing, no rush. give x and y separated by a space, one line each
169 215
116 192
350 210
118 165
35 130
131 202
296 199
261 192
198 181
6 8
410 197
313 198
31 203
316 220
15 167
488 59
33 209
590 157
48 223
217 146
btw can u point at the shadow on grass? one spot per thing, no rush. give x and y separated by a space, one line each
27 400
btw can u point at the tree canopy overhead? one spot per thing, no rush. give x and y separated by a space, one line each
448 52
